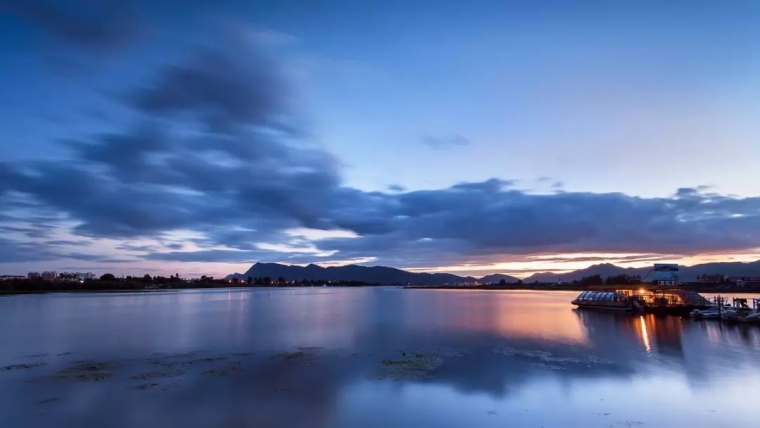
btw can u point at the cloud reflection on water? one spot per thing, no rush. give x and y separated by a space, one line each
501 351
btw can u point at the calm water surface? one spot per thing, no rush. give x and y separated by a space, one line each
368 357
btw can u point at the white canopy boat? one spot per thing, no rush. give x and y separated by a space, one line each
706 314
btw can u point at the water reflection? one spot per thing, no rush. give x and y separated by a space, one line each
645 335
655 333
516 314
505 357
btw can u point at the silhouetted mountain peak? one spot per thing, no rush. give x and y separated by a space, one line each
353 272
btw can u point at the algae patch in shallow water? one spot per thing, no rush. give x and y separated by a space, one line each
203 360
291 356
216 373
412 365
87 371
144 386
157 374
176 355
21 366
310 348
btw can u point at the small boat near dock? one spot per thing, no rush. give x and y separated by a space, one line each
715 312
740 311
706 314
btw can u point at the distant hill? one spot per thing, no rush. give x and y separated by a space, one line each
388 275
686 273
373 274
497 277
604 269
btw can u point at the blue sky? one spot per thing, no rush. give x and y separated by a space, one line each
143 136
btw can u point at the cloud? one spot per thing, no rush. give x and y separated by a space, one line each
219 151
156 177
69 243
12 252
607 258
483 221
87 257
213 86
445 142
89 23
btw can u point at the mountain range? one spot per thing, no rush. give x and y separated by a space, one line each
388 275
685 273
370 274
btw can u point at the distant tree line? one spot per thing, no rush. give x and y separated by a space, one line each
265 281
586 281
110 282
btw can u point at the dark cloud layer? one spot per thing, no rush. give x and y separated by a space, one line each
90 23
218 150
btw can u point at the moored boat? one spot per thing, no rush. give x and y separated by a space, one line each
738 311
706 314
747 315
607 300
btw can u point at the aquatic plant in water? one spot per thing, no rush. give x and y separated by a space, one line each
411 365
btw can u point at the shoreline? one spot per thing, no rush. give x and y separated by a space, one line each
160 290
126 290
710 290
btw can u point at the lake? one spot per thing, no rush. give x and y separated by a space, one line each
365 357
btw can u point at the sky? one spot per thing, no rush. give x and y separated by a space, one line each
499 136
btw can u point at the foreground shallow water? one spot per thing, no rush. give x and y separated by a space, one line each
365 357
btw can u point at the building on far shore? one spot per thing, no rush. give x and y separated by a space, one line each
745 281
11 277
75 276
712 279
33 275
49 275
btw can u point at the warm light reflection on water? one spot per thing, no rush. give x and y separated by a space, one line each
314 358
645 335
517 314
